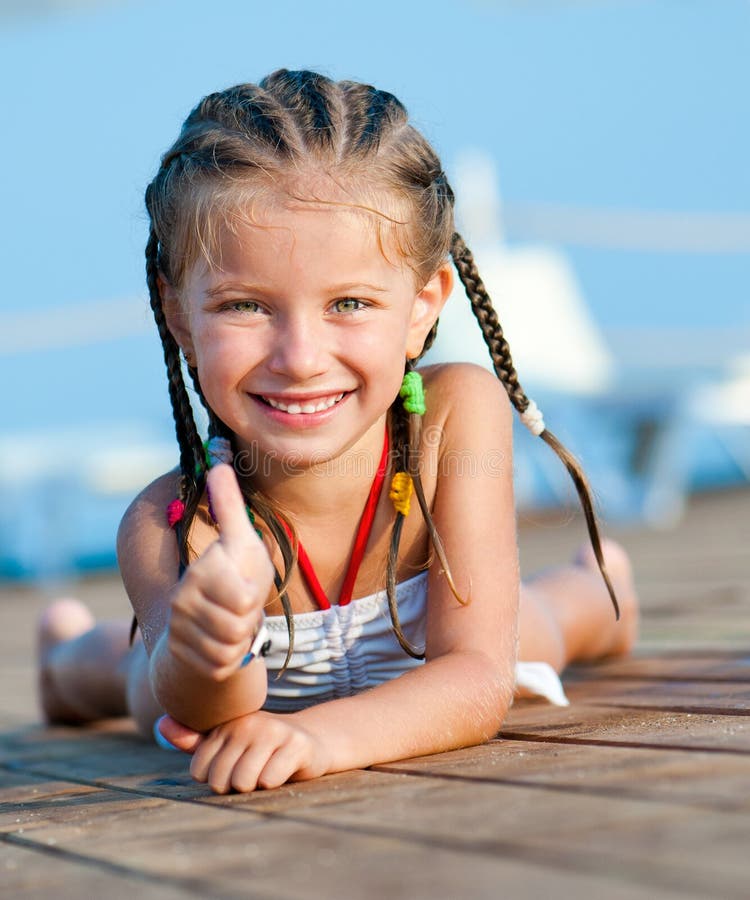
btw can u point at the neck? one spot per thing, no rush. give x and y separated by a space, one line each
316 491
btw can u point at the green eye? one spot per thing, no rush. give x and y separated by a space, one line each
245 306
348 304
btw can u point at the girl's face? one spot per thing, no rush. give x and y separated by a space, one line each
300 333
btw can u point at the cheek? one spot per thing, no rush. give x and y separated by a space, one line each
222 363
221 348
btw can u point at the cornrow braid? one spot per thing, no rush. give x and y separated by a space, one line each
492 332
243 110
370 117
306 96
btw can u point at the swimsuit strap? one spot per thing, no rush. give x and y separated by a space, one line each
360 543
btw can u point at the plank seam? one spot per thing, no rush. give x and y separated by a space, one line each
602 742
688 710
612 792
575 681
196 886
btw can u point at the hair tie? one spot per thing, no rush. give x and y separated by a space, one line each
412 393
251 516
175 512
400 493
533 419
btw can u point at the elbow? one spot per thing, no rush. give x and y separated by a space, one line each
490 698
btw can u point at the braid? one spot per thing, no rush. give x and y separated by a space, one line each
304 95
188 439
482 307
399 425
492 331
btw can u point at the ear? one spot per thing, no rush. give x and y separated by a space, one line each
428 304
177 319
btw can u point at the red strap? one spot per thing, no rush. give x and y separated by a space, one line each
365 527
360 543
308 573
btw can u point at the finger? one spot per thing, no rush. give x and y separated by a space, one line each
225 609
237 535
180 736
221 771
211 746
216 671
247 769
216 577
281 766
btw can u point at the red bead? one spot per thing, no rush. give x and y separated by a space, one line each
175 511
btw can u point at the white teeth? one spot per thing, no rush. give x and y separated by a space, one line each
295 409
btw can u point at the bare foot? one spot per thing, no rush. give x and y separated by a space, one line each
624 632
62 621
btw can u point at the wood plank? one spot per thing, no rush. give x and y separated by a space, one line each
107 749
693 779
27 873
714 665
25 799
698 697
228 853
710 733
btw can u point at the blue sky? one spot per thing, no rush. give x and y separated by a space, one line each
613 105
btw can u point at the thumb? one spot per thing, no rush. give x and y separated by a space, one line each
228 509
179 736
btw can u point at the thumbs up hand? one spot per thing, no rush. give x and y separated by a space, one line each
217 607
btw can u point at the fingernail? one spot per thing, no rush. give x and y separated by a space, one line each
161 741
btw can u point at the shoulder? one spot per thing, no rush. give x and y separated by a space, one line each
461 377
147 552
463 397
148 511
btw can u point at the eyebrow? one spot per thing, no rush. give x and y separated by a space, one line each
227 286
356 285
345 287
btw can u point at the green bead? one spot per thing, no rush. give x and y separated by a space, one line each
412 393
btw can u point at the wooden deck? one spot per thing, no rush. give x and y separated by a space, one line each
640 789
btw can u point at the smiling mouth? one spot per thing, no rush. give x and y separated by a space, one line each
306 407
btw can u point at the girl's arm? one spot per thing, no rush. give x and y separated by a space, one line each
198 629
462 693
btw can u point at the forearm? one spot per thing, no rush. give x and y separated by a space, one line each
457 700
201 702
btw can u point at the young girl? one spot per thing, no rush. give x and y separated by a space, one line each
296 616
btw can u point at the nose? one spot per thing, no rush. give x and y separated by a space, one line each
299 352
